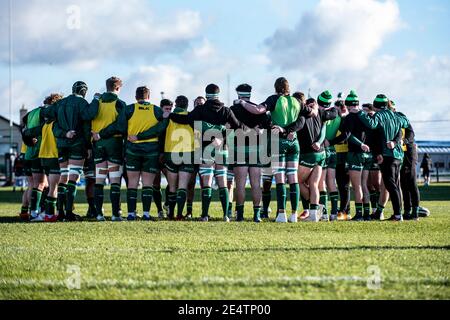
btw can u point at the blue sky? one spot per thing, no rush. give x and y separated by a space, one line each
400 48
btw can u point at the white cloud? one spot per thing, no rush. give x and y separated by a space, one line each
336 35
170 79
22 94
49 31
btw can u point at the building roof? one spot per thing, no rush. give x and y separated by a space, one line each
433 147
7 120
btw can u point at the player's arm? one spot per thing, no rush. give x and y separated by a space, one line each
368 121
254 108
323 133
91 110
297 125
156 130
329 114
51 112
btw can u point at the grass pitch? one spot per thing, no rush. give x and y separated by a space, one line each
216 260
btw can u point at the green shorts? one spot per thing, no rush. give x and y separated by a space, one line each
110 150
359 161
77 152
288 151
313 159
184 162
220 158
144 163
89 168
50 166
330 158
36 166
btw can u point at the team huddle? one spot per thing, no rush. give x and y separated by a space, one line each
314 150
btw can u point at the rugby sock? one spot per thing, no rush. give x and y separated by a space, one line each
147 195
373 199
172 197
239 212
294 194
380 209
71 193
305 203
415 213
50 204
225 200
24 210
323 201
36 195
157 198
62 189
257 213
359 209
230 208
166 193
313 209
281 197
99 197
42 201
91 203
181 201
266 197
189 206
131 200
114 195
366 207
206 200
334 197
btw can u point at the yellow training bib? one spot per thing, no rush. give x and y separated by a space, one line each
179 137
143 118
48 147
341 147
107 114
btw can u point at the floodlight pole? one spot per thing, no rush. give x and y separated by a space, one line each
10 78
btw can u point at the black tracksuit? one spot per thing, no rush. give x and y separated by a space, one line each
408 180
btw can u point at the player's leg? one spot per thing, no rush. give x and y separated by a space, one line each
240 174
184 179
115 178
75 170
355 178
294 187
279 171
26 199
39 182
255 185
303 178
267 179
172 179
314 195
323 198
333 193
191 192
150 166
230 187
157 195
220 173
390 169
366 194
62 188
206 171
